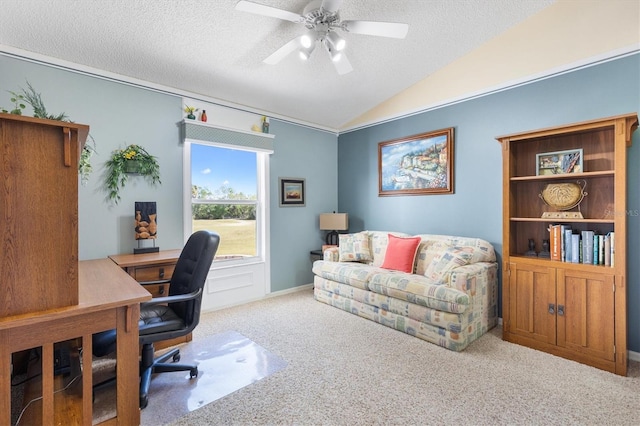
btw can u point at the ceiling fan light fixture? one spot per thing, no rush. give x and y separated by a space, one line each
305 52
307 39
336 41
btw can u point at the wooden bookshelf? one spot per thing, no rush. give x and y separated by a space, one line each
574 310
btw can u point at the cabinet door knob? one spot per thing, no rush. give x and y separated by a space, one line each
552 308
161 290
161 273
561 310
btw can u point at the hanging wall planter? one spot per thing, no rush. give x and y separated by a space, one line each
132 167
133 160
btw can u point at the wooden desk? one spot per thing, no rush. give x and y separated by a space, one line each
149 267
108 298
152 267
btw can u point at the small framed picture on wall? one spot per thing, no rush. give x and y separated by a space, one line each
292 192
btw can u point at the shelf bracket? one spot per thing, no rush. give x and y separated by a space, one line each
66 134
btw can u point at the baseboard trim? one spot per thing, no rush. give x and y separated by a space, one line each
266 296
289 290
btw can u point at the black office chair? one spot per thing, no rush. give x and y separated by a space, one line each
172 316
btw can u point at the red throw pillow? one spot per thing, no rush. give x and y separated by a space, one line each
401 253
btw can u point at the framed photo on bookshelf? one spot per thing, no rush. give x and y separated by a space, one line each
559 162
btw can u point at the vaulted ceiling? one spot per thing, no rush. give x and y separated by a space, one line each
210 49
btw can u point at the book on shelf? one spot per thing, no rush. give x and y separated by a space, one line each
607 250
600 249
567 244
613 247
555 241
575 248
587 247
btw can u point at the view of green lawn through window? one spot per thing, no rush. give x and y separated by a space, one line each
223 198
238 236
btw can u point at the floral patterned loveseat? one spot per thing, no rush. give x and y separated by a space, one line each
442 289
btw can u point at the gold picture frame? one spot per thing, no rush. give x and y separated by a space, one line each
421 164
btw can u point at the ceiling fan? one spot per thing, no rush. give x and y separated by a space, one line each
322 20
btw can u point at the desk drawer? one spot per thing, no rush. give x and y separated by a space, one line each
157 290
154 273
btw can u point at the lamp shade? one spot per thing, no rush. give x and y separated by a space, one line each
334 221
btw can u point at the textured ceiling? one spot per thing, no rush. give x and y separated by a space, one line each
209 48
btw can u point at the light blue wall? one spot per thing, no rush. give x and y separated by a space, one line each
476 207
312 155
118 115
121 114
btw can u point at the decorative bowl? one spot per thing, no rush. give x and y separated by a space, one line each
563 196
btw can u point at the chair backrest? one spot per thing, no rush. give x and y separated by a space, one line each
190 274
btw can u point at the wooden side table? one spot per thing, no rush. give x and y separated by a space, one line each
149 267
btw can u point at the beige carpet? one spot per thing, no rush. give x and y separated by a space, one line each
226 362
345 370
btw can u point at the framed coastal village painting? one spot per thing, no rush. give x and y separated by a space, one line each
291 192
416 165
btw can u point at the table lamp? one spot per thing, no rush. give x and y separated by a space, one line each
333 222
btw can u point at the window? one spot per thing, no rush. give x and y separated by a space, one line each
227 197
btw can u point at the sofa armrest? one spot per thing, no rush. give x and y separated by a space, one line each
480 281
331 254
459 278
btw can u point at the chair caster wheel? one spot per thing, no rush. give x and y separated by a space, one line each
193 373
176 357
144 401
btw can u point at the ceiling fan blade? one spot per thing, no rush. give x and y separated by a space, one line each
273 12
383 29
331 6
279 54
343 66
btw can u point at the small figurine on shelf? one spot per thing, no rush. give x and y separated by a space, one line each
545 250
203 116
532 248
190 112
265 124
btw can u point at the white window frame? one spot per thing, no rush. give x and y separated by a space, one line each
262 202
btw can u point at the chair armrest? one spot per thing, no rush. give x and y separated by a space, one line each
154 282
173 299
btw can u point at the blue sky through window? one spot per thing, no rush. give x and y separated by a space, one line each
213 167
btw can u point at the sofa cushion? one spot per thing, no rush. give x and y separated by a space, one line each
447 260
352 273
354 248
447 320
401 253
433 245
418 289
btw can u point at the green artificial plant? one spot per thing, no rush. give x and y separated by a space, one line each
133 159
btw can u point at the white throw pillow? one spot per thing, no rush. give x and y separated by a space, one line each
447 260
354 248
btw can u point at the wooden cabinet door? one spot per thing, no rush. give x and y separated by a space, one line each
532 299
586 314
